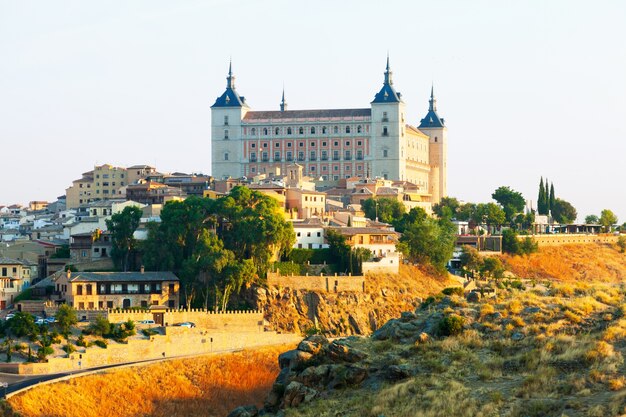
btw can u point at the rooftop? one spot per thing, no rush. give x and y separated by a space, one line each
122 276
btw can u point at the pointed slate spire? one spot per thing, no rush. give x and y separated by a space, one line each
387 94
283 103
432 119
230 80
230 97
433 101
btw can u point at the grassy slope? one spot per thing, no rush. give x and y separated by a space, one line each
205 386
592 262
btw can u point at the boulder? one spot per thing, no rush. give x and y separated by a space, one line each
315 376
346 375
245 411
517 336
338 352
297 393
293 359
313 344
397 372
407 316
473 297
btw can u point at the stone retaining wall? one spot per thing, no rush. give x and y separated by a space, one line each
570 239
332 283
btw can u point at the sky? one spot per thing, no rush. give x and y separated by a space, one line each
527 89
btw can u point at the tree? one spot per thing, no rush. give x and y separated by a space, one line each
512 202
492 267
387 210
542 202
450 203
66 318
427 240
466 211
490 214
607 219
122 226
510 242
471 259
551 198
592 219
563 212
621 243
22 324
100 327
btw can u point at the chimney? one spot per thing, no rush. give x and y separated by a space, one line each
142 269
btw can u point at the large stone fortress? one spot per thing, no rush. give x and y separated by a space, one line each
331 144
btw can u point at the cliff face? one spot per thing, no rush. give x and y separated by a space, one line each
347 313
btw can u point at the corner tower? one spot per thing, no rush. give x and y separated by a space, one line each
226 132
435 128
387 131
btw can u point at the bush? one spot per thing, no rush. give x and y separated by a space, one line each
288 268
101 343
314 256
81 341
453 291
451 325
100 327
69 349
149 332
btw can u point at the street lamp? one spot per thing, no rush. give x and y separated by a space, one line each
376 201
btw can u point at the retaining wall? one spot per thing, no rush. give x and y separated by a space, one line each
570 239
332 283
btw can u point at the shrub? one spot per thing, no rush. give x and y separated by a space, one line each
451 325
288 268
621 243
149 332
101 343
69 348
81 341
453 291
100 326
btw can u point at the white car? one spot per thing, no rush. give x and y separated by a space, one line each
9 316
147 322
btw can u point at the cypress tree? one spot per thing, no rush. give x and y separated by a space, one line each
552 198
541 199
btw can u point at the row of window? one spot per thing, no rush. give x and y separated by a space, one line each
253 131
107 175
312 130
289 156
324 168
312 144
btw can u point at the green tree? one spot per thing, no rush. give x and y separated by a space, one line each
471 259
512 201
542 201
122 226
492 267
592 219
427 240
66 318
607 219
466 211
510 242
551 197
563 212
621 243
387 210
21 325
450 203
100 327
490 214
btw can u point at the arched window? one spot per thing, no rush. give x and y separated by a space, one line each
226 134
276 131
359 129
289 131
313 130
253 131
347 129
324 130
435 138
225 156
265 131
301 130
336 129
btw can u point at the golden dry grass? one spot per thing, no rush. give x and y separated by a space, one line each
203 386
591 262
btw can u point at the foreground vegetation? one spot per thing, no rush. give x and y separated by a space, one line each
555 350
205 386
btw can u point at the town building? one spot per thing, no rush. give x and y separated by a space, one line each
15 276
331 144
98 290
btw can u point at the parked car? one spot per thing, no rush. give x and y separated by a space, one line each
40 320
51 319
10 316
187 324
146 322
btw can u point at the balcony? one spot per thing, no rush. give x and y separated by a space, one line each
277 159
253 159
336 158
265 159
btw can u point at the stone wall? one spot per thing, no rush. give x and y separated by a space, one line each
329 283
238 320
176 342
571 239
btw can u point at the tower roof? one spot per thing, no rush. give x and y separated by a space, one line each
387 94
230 97
432 119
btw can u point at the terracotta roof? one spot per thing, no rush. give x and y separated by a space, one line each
122 276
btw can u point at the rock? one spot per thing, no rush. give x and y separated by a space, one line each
397 372
245 411
344 376
313 344
517 336
531 310
273 398
473 297
384 292
354 325
315 376
297 393
293 359
338 352
386 331
407 316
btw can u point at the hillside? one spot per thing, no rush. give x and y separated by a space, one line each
539 352
204 386
343 314
585 263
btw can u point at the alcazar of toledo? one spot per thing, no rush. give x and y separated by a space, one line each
331 144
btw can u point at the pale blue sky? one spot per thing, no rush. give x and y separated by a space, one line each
527 88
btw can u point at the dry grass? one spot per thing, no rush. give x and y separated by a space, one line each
204 386
592 262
